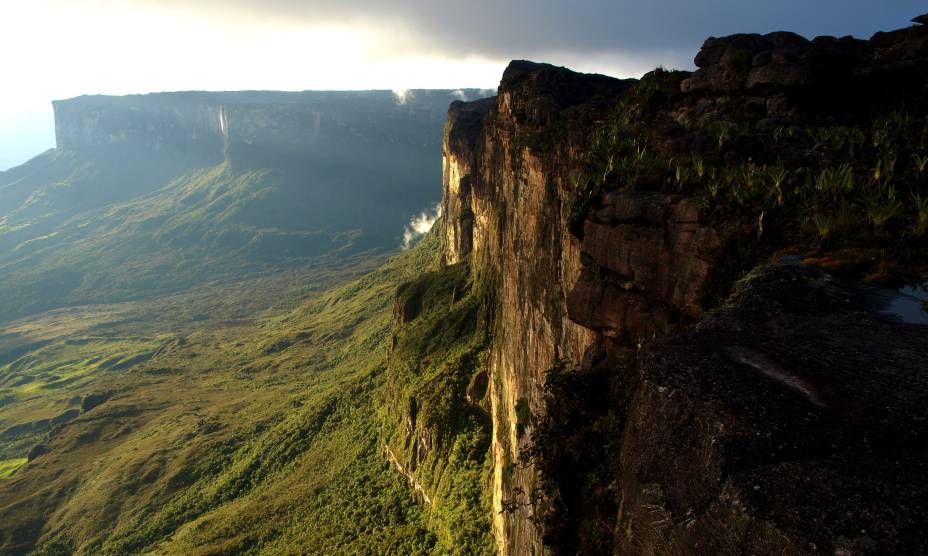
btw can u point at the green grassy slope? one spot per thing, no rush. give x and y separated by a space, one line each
147 196
248 430
50 362
436 422
194 229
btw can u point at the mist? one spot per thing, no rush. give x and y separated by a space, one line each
419 225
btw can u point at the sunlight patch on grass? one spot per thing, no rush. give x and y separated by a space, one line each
9 466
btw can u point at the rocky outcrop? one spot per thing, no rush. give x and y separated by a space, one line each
787 77
514 196
462 131
645 257
751 429
508 193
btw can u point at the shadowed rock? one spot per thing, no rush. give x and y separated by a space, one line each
790 421
645 258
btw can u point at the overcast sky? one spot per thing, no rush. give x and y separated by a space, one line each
55 49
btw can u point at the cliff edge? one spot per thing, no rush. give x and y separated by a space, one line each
693 285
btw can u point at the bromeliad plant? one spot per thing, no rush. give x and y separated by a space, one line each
839 187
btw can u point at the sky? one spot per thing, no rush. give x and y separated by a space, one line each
56 49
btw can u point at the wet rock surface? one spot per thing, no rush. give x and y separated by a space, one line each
793 420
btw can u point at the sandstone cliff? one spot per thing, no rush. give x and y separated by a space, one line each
212 186
609 220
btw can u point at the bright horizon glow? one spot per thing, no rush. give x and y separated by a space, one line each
56 49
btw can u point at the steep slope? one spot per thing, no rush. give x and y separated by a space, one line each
157 193
436 429
600 214
253 435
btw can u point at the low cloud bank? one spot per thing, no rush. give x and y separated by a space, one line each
419 225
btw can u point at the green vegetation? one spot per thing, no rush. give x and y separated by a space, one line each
850 193
442 440
8 467
147 200
251 426
202 226
49 363
200 364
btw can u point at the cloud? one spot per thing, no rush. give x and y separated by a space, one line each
403 95
545 28
382 44
419 225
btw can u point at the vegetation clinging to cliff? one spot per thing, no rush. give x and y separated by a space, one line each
432 414
851 195
272 416
574 452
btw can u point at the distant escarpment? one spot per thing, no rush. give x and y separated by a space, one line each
151 194
703 297
255 128
341 160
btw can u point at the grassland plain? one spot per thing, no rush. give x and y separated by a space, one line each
241 427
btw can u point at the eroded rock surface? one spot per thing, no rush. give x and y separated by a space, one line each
786 77
645 257
507 194
782 423
791 421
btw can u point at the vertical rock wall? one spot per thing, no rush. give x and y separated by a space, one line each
509 168
507 195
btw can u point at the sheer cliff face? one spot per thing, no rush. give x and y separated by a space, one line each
505 204
152 121
632 267
251 123
508 193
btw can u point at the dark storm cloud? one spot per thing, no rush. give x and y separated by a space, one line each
523 27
